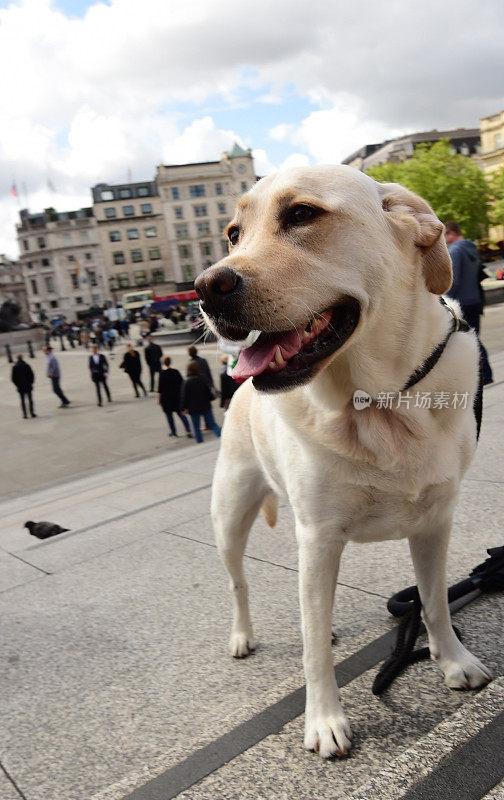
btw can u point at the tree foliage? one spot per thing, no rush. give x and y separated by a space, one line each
452 184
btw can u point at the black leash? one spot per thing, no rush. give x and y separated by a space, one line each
406 604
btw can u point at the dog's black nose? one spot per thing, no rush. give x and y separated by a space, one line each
215 285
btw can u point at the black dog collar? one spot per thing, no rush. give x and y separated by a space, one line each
457 324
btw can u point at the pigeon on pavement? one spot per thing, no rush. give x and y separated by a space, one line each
43 530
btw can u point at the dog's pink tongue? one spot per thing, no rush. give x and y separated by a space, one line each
255 359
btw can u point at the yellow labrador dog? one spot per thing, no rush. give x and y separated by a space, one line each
341 276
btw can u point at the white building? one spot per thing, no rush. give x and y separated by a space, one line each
198 201
62 263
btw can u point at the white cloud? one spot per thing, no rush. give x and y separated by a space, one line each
200 141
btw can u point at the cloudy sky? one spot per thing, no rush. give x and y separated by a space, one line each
97 91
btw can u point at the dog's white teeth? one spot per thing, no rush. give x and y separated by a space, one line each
271 365
306 337
278 356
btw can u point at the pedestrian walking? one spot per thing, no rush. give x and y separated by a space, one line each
196 399
169 388
132 365
23 379
228 385
203 368
153 355
98 366
54 374
466 285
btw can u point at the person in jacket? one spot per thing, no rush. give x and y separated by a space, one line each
204 369
466 285
153 355
196 398
54 375
98 366
23 379
169 388
132 365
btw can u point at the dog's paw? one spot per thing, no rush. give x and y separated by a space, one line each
241 644
329 735
464 671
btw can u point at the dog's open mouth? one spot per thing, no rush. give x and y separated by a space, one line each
285 359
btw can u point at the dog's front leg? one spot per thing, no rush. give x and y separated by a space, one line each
326 727
461 669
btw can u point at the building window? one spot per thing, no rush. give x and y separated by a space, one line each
113 282
71 258
26 244
118 257
222 225
143 191
188 272
140 278
114 236
181 232
221 208
106 194
203 228
244 186
123 280
197 190
29 264
158 275
34 288
125 193
78 300
146 208
92 277
154 253
45 262
179 212
200 211
136 255
224 247
218 188
75 280
95 299
41 242
49 283
67 239
184 251
89 256
150 232
206 248
110 212
132 233
498 141
53 304
128 211
175 193
84 236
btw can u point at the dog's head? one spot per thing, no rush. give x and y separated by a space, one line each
313 253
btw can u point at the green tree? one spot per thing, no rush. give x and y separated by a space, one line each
452 184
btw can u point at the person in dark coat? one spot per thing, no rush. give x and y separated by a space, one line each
169 386
153 356
195 399
228 385
23 379
98 366
132 365
203 368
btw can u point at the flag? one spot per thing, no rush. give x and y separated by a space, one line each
77 267
50 185
14 191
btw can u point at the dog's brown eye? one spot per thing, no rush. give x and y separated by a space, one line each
300 215
233 236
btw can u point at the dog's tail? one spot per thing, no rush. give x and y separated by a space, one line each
269 509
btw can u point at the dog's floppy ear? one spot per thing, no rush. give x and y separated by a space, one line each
409 212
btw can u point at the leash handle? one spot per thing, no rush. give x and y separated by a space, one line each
402 602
